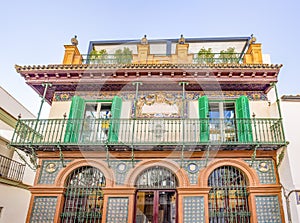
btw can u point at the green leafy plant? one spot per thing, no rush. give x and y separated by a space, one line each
205 56
98 56
228 56
123 56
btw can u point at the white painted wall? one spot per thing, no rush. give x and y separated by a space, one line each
14 200
58 108
15 203
289 169
12 106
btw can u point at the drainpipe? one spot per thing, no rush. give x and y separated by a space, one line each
277 100
34 157
287 200
183 120
46 85
134 118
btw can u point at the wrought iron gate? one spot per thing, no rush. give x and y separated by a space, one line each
83 197
228 198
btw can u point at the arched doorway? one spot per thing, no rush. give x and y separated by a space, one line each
83 196
228 198
156 196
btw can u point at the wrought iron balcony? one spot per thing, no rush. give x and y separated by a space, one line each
148 133
198 58
10 169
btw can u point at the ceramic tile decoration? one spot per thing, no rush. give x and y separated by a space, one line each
117 210
193 209
43 209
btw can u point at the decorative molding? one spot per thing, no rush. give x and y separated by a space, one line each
121 168
170 96
49 171
265 170
159 98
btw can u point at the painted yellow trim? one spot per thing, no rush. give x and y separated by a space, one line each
14 183
7 118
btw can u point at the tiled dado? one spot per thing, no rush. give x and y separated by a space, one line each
43 209
117 210
193 209
268 209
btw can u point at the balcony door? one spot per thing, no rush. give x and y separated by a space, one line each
222 121
225 121
93 121
96 123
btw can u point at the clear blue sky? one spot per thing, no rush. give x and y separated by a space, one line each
34 31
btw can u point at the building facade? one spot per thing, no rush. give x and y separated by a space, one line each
160 131
15 176
289 176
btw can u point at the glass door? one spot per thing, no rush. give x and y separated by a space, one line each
158 206
221 121
96 123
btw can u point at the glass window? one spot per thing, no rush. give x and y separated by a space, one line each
157 178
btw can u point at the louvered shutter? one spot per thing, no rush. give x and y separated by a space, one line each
115 119
203 116
244 128
75 119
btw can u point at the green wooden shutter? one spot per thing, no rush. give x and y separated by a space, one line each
115 119
75 119
244 129
203 116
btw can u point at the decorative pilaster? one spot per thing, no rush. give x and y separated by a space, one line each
181 55
253 54
143 53
72 55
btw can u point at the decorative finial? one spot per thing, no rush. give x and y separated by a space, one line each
253 39
181 40
144 40
74 41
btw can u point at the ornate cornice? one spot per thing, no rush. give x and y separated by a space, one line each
113 77
143 66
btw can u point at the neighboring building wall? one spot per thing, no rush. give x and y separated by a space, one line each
15 203
290 166
14 195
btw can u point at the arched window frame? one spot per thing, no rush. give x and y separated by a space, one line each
83 196
228 197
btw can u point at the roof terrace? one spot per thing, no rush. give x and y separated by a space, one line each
220 50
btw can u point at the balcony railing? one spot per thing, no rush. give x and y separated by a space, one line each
143 132
11 169
212 58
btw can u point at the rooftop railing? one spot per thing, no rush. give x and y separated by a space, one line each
11 169
212 58
148 132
